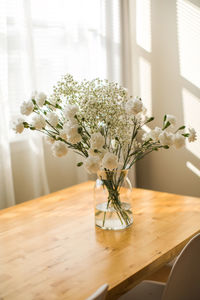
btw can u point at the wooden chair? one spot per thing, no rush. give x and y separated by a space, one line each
100 294
183 282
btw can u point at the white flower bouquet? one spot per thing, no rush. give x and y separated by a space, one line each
99 120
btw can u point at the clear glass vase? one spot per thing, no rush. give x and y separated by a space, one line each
112 196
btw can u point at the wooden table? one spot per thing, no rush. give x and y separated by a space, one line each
50 248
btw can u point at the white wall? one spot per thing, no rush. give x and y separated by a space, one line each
165 56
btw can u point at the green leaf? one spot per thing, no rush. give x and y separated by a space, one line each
165 118
101 130
181 128
79 164
149 120
59 126
80 130
166 147
34 102
166 125
185 134
26 125
58 106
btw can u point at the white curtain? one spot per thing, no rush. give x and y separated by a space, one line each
40 40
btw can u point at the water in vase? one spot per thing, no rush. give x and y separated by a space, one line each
112 219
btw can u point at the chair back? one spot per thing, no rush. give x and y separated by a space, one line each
100 294
184 279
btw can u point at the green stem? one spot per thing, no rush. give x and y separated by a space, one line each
113 198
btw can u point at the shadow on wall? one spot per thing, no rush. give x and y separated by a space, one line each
167 63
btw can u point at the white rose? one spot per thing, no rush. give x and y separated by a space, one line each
18 126
38 122
153 134
97 140
40 99
171 119
59 149
49 140
178 140
193 136
166 138
70 111
109 161
63 134
53 118
73 136
74 139
92 164
27 107
72 122
134 106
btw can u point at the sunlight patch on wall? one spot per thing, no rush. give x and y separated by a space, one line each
188 22
193 168
145 83
143 24
191 109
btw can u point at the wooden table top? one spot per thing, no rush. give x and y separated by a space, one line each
51 250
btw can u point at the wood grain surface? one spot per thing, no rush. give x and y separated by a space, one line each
51 250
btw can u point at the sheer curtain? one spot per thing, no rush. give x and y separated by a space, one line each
39 42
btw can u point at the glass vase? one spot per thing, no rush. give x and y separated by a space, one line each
112 196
